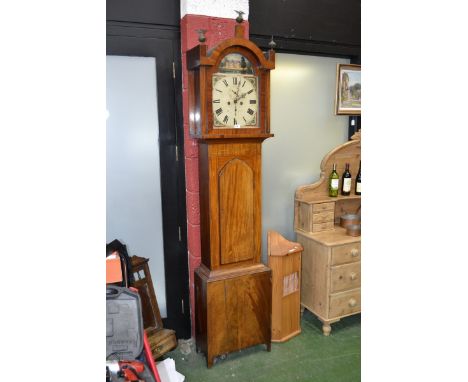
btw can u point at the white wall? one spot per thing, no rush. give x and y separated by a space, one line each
133 177
305 128
215 8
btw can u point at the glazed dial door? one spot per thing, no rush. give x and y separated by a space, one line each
235 94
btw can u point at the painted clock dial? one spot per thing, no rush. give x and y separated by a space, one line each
235 93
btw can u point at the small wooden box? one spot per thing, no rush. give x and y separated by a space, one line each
284 259
161 341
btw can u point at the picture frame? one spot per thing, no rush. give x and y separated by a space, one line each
348 89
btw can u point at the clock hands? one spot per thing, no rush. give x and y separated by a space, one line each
235 101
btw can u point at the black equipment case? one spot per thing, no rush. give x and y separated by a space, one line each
124 329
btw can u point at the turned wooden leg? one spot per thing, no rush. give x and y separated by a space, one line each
326 328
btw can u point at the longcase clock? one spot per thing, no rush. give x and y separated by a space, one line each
229 90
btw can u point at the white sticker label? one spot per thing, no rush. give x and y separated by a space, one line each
358 187
334 184
346 184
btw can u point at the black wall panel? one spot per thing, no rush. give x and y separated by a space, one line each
328 27
159 12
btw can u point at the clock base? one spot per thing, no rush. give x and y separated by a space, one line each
233 310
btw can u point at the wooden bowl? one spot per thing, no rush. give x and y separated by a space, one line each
348 219
353 230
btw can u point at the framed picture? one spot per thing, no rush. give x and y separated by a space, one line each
348 89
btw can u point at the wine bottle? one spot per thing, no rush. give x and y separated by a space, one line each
346 183
357 190
334 181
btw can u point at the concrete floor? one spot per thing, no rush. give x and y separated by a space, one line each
309 356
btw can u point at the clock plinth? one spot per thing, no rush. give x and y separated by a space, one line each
229 114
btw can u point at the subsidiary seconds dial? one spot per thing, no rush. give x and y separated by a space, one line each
235 100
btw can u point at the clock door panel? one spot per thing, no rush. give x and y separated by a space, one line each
236 212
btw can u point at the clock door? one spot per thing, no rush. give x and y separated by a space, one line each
234 202
236 211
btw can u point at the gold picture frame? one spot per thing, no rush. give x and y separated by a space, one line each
348 89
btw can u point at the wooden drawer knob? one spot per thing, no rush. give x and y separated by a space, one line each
352 302
353 276
354 252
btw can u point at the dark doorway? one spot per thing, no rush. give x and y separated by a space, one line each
163 43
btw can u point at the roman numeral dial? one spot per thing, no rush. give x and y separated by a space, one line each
234 100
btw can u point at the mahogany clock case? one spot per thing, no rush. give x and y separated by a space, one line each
202 65
232 286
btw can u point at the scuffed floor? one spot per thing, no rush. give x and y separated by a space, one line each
308 357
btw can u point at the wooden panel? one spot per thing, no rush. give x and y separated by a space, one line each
346 253
303 220
150 318
239 206
323 226
323 217
285 320
342 304
222 324
236 212
201 320
320 207
290 319
315 276
345 277
333 238
144 283
254 293
232 313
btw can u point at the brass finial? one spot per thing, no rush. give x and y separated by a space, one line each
272 43
201 35
239 17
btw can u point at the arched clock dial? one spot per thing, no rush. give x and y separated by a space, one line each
235 100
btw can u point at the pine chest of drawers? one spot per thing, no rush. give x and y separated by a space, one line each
331 275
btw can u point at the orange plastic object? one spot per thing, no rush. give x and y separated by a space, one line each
113 268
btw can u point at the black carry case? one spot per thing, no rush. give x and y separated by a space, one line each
124 329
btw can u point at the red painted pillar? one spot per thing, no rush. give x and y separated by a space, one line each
217 30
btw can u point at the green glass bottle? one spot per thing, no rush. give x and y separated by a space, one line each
334 182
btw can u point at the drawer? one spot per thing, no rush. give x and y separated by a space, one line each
345 277
342 304
347 253
320 207
323 217
323 226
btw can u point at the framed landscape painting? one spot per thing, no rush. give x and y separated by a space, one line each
348 89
